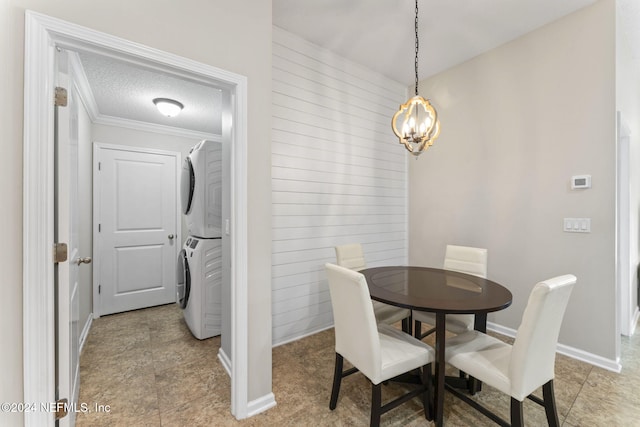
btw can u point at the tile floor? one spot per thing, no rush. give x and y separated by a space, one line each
151 372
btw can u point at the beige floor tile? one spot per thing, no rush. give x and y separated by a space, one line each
607 399
148 367
98 367
182 351
166 330
188 382
199 413
135 397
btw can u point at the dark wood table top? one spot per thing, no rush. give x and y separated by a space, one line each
435 290
442 292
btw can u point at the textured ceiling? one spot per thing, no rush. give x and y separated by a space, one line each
125 90
380 33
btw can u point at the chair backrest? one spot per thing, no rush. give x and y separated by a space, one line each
350 256
356 330
466 259
534 350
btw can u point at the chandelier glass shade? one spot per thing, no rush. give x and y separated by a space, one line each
416 122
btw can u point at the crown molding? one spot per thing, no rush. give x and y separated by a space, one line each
102 119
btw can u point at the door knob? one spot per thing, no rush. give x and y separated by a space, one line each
170 236
85 260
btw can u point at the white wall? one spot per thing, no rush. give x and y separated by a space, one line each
338 177
517 122
189 23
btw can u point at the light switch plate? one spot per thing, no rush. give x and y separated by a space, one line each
577 225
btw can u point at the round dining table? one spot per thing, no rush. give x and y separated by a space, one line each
441 292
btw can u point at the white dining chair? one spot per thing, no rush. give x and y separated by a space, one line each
379 351
518 369
463 259
351 256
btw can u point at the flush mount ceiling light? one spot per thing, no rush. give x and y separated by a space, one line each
416 122
168 107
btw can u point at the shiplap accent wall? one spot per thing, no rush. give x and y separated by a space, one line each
338 173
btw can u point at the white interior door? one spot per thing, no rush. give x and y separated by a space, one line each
136 228
66 231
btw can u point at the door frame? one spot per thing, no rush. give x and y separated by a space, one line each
42 35
68 274
626 305
97 146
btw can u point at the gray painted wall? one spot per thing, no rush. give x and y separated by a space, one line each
517 123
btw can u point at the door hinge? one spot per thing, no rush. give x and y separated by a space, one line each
61 97
99 227
61 408
59 252
99 289
99 165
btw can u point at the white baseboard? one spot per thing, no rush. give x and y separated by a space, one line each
256 406
224 359
574 353
296 338
85 332
261 404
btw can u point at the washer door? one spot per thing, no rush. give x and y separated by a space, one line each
183 286
187 184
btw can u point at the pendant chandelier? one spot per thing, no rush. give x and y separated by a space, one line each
416 122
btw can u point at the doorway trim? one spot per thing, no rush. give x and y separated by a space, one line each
42 35
626 305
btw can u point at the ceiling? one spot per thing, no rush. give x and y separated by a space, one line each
121 90
378 34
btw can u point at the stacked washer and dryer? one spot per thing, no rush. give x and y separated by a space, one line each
199 272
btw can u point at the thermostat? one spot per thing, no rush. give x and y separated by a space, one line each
580 181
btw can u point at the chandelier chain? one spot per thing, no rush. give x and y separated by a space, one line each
417 47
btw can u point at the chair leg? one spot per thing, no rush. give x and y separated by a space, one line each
406 325
517 414
473 385
417 329
427 396
337 378
550 404
376 404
